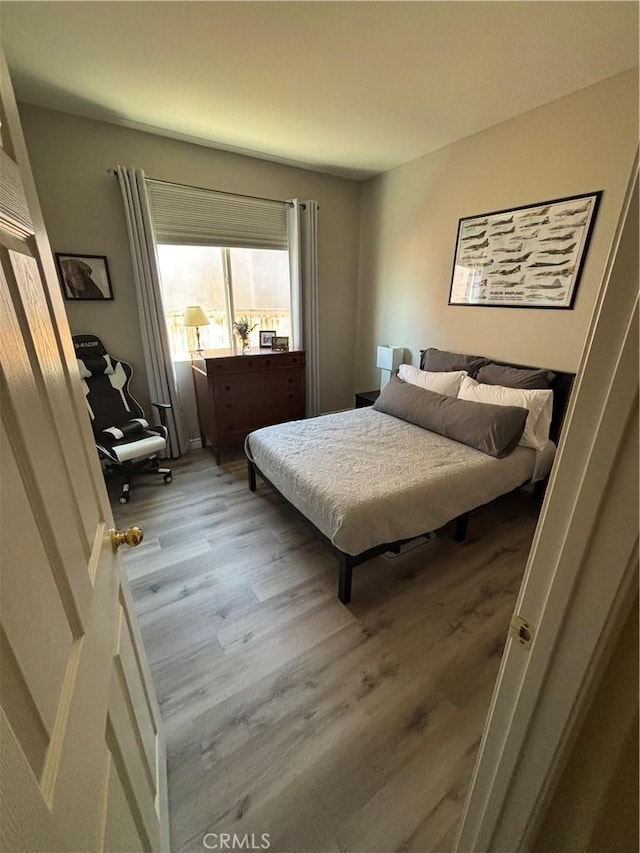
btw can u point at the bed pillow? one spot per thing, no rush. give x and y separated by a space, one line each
441 361
447 383
495 430
539 404
514 377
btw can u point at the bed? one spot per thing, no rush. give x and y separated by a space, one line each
367 481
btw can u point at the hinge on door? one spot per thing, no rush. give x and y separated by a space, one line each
521 630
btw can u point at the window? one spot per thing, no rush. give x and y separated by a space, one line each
225 252
227 282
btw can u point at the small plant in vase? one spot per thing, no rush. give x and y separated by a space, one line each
243 329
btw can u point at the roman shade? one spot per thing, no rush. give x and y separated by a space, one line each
190 216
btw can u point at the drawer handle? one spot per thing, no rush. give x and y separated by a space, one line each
291 396
294 361
227 387
268 362
290 380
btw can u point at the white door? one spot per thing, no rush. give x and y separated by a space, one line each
580 579
82 762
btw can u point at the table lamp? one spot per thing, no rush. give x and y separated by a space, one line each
389 360
194 317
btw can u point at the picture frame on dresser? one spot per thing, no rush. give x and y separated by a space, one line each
267 337
280 343
531 256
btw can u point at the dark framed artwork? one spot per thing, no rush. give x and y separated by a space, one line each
525 257
266 338
84 277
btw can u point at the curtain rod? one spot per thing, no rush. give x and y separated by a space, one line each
208 189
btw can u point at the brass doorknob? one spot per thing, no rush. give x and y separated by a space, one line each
132 536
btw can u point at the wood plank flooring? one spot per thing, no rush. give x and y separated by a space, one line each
330 728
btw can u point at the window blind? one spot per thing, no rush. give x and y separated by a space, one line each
188 216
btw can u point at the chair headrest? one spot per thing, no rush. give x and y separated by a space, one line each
93 359
88 346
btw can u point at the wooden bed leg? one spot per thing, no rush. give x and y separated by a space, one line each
251 475
462 524
344 583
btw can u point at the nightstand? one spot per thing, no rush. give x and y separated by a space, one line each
366 398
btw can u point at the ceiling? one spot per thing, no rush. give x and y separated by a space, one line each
350 88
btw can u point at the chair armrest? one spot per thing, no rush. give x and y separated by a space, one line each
162 411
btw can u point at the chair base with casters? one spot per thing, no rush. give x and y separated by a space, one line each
131 467
125 441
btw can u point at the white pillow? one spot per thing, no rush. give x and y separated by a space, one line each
539 404
442 383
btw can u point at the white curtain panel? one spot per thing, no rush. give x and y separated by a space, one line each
295 272
153 329
309 240
302 230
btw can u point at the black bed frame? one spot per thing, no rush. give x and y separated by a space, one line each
561 386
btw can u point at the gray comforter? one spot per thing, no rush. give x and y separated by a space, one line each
365 478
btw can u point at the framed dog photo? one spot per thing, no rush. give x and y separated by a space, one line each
266 339
84 277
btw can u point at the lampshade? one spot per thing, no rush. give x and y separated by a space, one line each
195 316
389 358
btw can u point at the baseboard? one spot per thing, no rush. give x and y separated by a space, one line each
195 443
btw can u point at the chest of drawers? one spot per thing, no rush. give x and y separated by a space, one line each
236 394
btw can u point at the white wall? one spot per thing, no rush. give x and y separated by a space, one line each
409 219
83 213
394 287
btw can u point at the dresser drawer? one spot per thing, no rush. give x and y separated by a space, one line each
252 401
252 363
255 386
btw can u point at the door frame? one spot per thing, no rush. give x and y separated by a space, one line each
576 610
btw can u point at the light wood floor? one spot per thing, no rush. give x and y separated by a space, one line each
331 728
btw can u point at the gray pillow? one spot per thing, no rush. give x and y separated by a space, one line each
441 361
514 377
495 430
